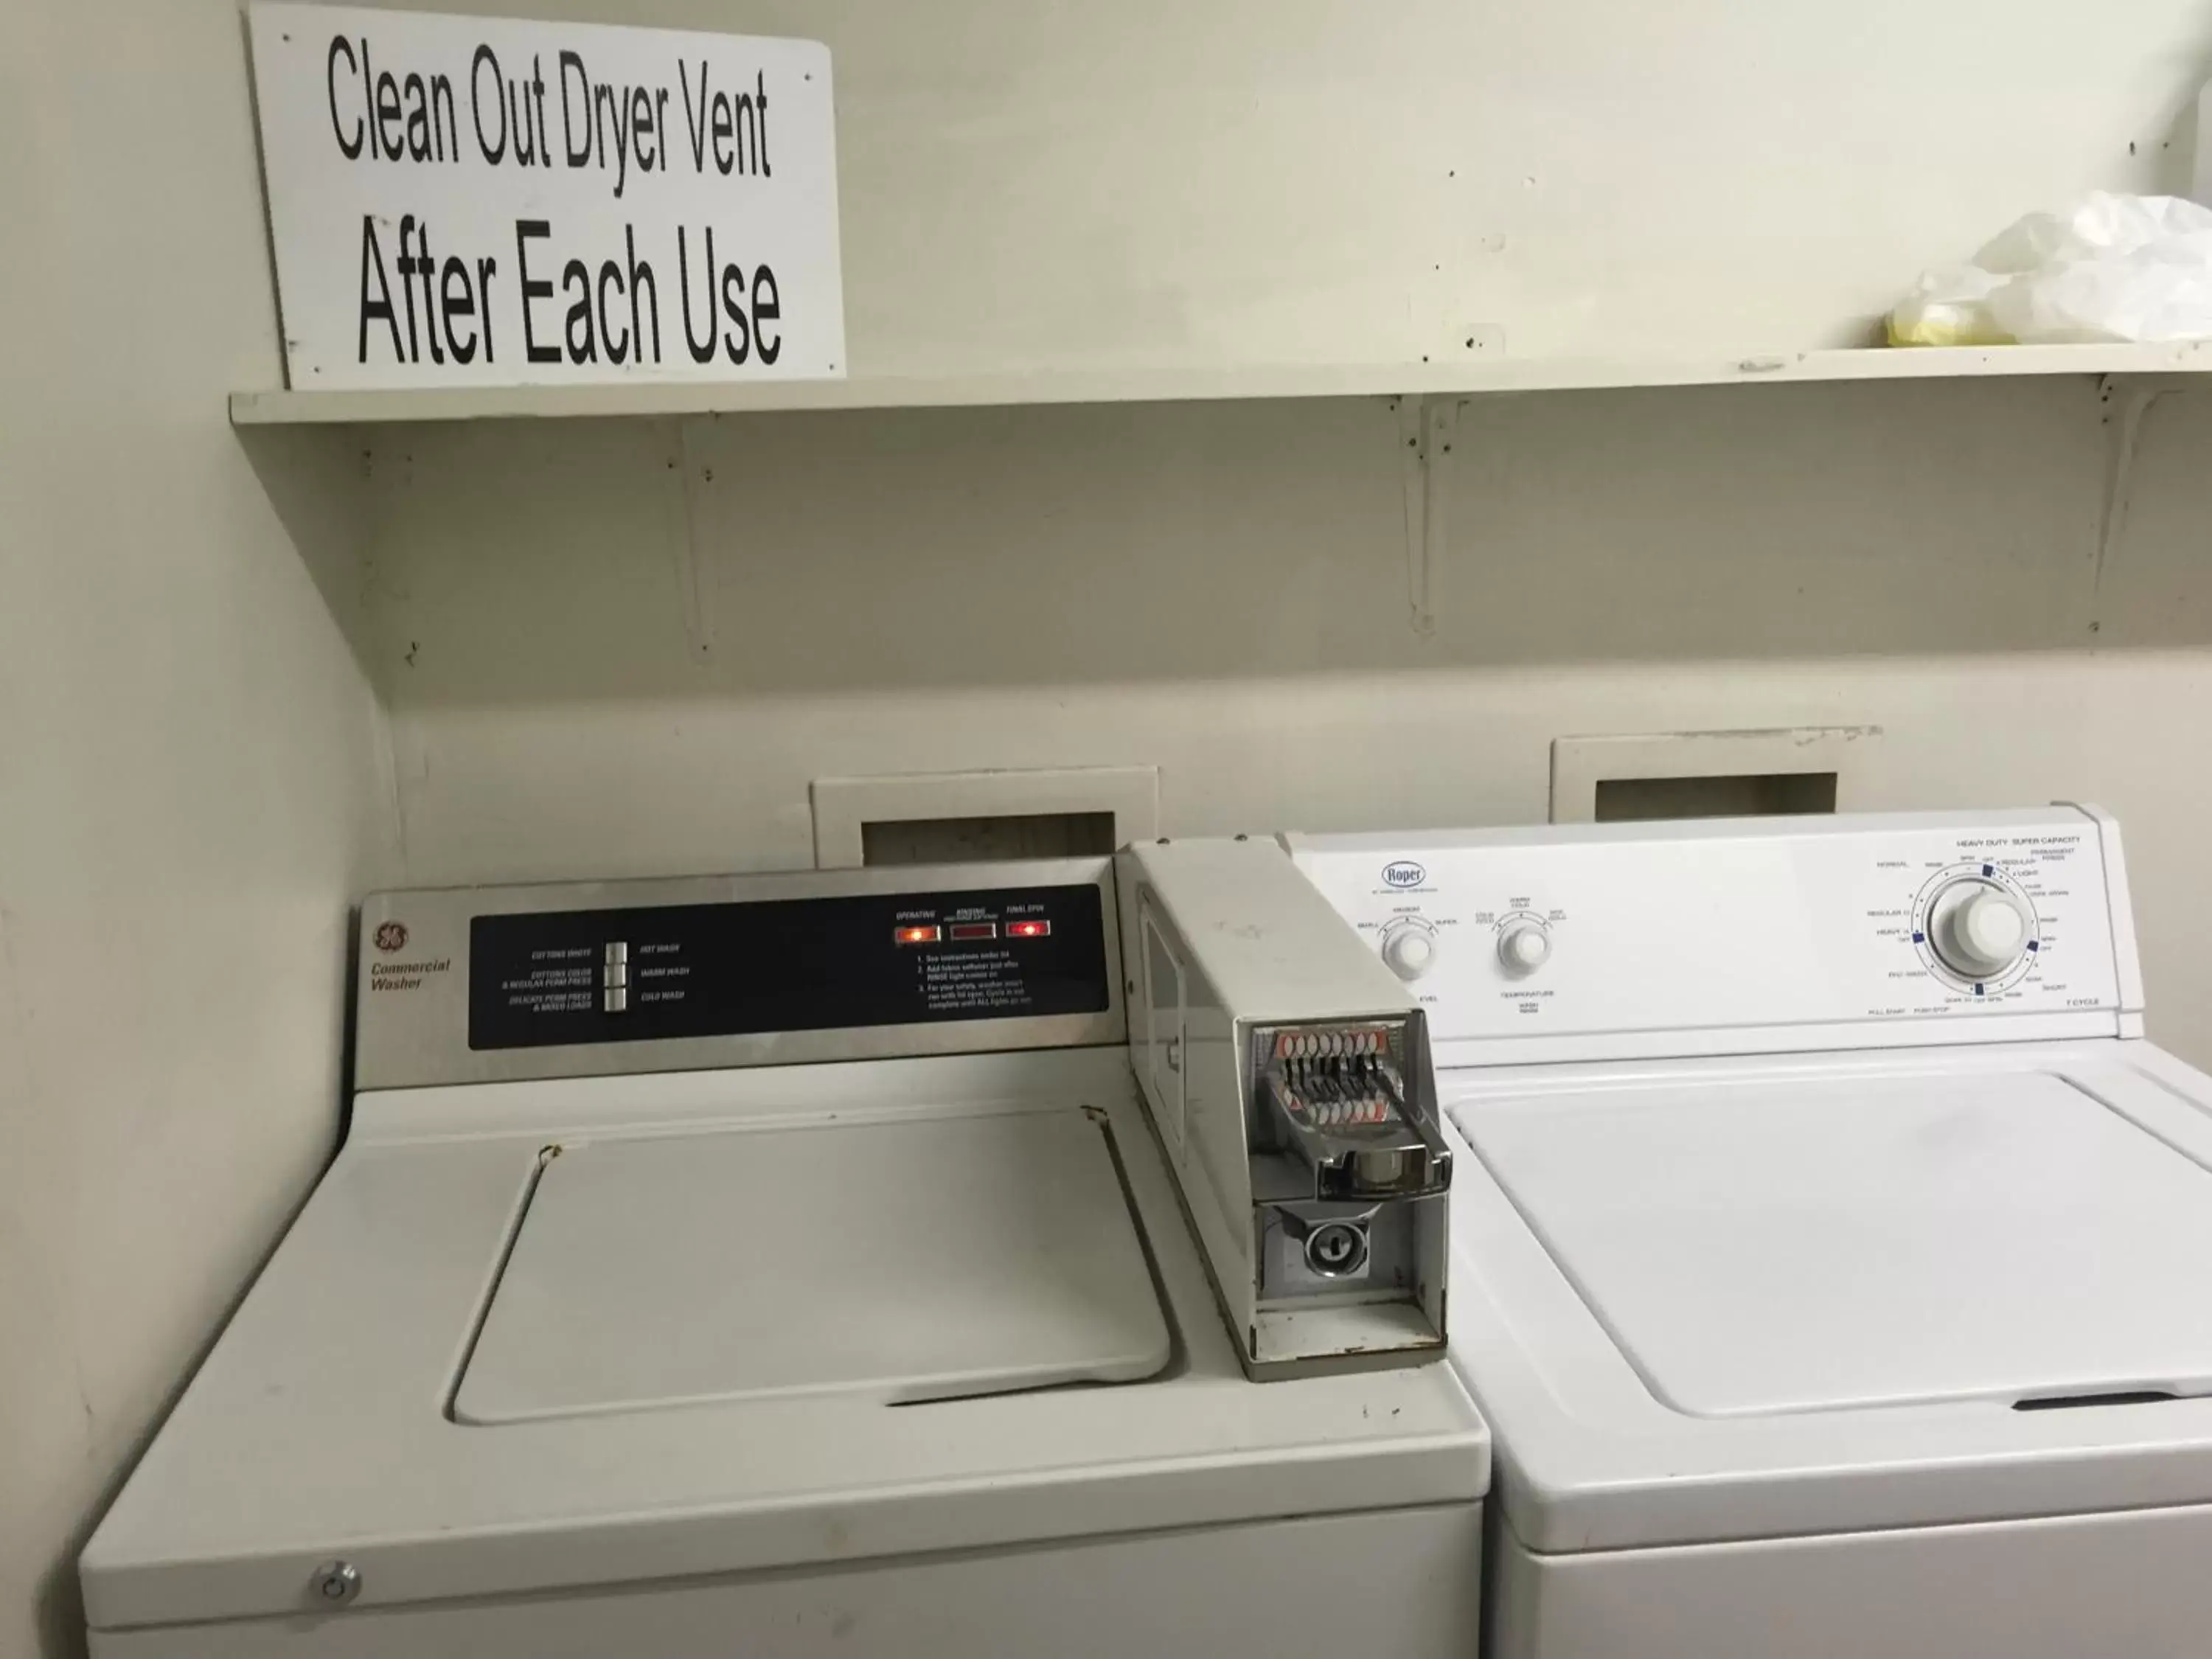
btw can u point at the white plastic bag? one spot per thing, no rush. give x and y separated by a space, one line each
2115 268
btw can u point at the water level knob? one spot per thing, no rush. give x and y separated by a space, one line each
1409 948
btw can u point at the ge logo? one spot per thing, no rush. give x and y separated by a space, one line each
1404 873
391 935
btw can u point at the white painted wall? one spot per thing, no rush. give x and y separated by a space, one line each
191 780
610 648
1160 182
613 647
617 648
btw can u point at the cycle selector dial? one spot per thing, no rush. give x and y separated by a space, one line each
1524 946
1409 948
1978 929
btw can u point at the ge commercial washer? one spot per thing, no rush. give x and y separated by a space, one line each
1829 1242
775 1266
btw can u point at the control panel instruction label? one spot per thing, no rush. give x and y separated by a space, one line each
542 978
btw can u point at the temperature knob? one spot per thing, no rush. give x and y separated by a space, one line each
1524 947
1977 929
1409 948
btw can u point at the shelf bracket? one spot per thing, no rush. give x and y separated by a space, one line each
1426 429
685 500
2127 399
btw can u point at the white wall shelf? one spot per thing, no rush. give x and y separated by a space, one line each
678 398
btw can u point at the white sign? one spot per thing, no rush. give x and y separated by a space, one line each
493 202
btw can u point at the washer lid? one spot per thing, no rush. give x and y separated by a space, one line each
913 1259
1797 1245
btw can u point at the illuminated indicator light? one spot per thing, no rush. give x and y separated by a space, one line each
929 935
1028 929
974 930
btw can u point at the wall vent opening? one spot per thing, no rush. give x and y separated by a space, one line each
956 817
1727 795
1751 773
971 840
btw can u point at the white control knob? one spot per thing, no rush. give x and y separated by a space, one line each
1524 947
1410 948
1977 929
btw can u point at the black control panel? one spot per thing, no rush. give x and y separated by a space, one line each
805 964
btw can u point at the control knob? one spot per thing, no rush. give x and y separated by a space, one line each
1977 929
1524 946
1409 948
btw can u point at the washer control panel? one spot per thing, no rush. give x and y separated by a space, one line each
1686 926
538 978
666 974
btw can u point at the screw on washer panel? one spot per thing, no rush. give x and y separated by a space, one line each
337 1583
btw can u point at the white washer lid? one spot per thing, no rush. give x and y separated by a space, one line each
1802 1245
907 1260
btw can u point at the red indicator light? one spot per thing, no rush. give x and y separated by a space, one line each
929 935
1028 929
974 930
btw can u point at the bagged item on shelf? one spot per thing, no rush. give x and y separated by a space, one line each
2112 268
1949 307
